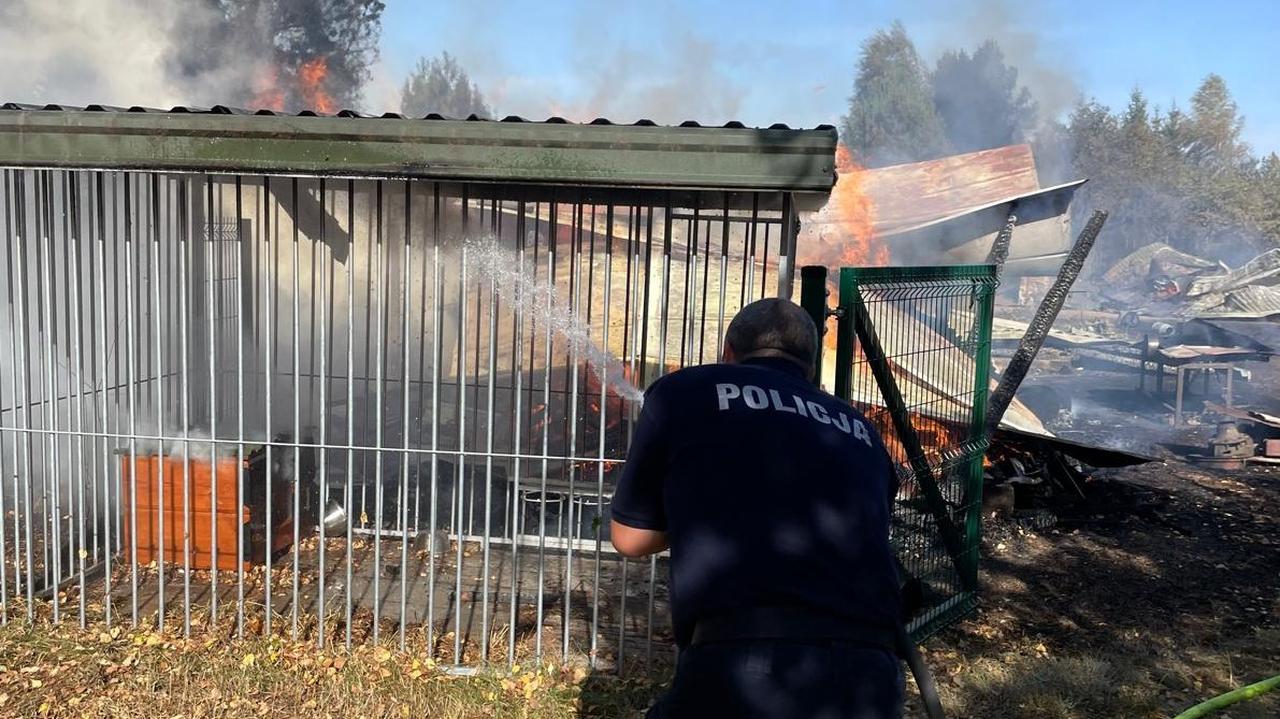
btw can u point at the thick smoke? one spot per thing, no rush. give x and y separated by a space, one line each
121 52
1048 79
684 78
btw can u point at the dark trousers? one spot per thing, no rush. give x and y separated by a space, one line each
779 679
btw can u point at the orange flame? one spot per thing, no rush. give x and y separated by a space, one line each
267 93
270 94
311 76
856 214
843 234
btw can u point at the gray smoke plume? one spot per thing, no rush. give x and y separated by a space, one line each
121 52
685 75
1049 79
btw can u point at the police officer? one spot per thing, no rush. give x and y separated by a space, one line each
774 499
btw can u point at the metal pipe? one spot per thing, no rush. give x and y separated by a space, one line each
73 242
4 509
437 352
460 485
158 474
45 260
215 477
349 494
517 372
406 258
381 297
184 249
132 385
488 467
323 475
546 429
268 340
297 416
240 402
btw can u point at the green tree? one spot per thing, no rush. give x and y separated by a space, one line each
1185 179
440 85
1213 140
979 101
891 114
1267 188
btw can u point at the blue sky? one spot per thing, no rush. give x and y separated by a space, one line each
766 62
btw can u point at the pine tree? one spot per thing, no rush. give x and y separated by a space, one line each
979 101
1215 127
440 85
891 114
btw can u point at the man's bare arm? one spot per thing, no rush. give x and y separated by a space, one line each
632 542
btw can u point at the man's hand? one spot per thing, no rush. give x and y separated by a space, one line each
632 542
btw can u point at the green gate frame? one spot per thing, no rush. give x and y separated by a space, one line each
955 521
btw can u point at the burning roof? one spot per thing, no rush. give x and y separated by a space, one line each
944 211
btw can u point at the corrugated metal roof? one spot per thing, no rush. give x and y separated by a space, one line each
602 153
228 110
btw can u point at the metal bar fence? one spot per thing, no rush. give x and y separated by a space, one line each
913 354
345 410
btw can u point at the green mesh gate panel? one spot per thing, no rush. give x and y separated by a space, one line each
913 354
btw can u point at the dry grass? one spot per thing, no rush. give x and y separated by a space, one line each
65 672
1043 687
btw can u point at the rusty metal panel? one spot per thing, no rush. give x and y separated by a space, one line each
910 195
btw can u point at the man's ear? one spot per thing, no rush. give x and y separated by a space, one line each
727 355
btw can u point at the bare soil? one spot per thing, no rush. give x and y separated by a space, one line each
1162 590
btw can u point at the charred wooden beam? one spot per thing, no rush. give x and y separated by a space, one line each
1043 320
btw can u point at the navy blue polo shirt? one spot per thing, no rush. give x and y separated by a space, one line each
771 492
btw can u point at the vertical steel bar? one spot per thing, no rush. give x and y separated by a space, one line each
348 492
43 330
601 428
215 476
462 446
132 384
405 294
724 278
546 430
77 385
4 466
488 467
8 197
240 330
437 352
268 339
21 325
787 246
662 370
21 340
157 310
297 417
517 371
326 298
380 297
48 311
184 260
571 451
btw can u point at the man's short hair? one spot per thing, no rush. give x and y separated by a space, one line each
774 327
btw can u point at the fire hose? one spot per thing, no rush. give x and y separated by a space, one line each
1232 697
912 599
924 678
